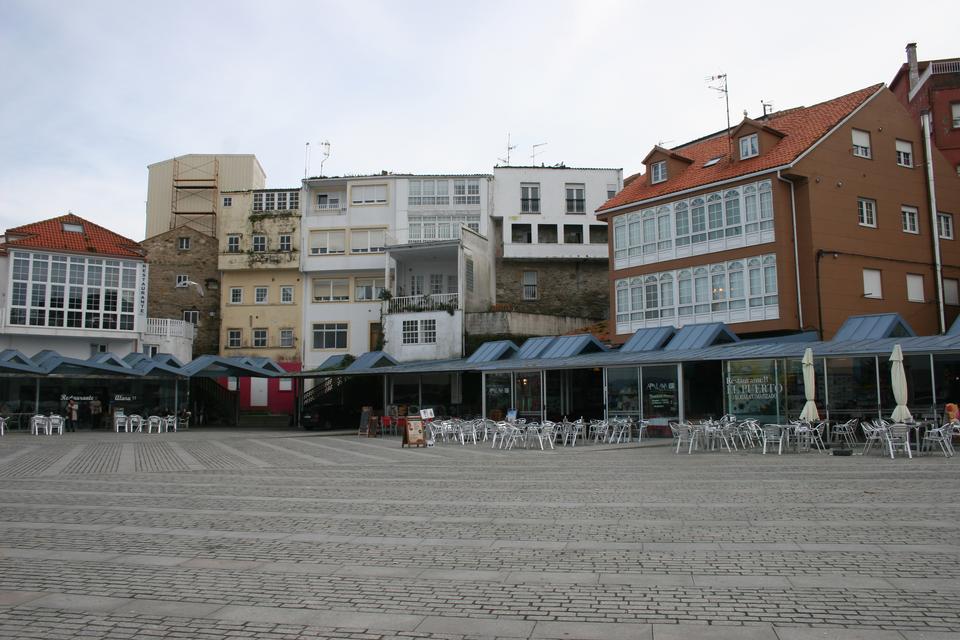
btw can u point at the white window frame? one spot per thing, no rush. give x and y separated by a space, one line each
287 339
328 201
329 284
261 240
227 201
428 193
286 294
910 219
320 242
955 114
234 338
904 153
466 191
233 243
530 197
410 332
260 338
749 146
945 225
334 328
286 242
182 280
529 284
576 198
428 331
183 243
873 284
192 316
867 212
915 288
860 141
364 195
367 289
366 240
261 295
658 172
236 295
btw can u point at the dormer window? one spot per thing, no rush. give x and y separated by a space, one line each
72 228
749 146
658 172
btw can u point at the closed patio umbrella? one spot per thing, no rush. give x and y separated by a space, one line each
898 380
809 388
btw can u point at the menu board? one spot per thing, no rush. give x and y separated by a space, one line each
413 433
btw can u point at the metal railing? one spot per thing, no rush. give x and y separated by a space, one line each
170 328
432 302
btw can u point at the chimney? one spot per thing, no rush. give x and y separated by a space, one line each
912 62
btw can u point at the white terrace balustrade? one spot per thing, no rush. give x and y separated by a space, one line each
169 328
433 302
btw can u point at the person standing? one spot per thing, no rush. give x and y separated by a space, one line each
96 412
72 410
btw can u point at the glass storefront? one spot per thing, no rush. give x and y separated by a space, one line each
406 390
661 401
528 394
852 388
919 386
623 392
754 388
702 390
498 400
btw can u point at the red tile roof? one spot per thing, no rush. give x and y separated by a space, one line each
801 127
50 235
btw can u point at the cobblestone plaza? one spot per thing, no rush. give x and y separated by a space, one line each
272 534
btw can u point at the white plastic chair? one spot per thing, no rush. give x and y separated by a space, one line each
38 424
3 425
773 433
136 423
170 423
119 421
898 437
154 422
55 423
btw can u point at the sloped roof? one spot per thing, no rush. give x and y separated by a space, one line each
263 363
371 360
873 327
533 347
215 366
490 351
13 360
52 363
50 235
565 346
698 336
954 329
801 128
649 339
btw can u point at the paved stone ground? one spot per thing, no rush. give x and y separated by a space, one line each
287 535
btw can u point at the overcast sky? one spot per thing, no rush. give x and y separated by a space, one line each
93 92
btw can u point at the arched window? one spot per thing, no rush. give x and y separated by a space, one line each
667 303
718 287
715 216
663 229
681 214
731 205
649 232
770 280
633 234
651 298
636 300
698 220
623 301
751 209
766 206
620 246
685 293
755 281
736 294
701 290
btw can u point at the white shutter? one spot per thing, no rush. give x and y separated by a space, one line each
902 146
951 295
871 284
914 288
861 138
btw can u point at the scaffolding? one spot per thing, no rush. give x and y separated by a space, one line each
195 194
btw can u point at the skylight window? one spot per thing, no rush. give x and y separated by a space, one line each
72 228
712 161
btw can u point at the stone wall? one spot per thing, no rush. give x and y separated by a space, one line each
199 263
578 288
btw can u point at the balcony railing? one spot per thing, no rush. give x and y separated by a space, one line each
945 66
435 302
169 328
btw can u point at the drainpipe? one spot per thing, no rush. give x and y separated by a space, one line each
932 194
820 254
796 253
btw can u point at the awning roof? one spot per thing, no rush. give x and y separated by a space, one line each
51 363
873 326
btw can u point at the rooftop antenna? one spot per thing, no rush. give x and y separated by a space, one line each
533 156
325 149
767 107
510 148
721 87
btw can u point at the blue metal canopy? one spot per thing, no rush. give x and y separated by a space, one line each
873 327
698 336
651 339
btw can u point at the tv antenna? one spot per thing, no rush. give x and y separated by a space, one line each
324 148
533 155
767 107
510 148
720 86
